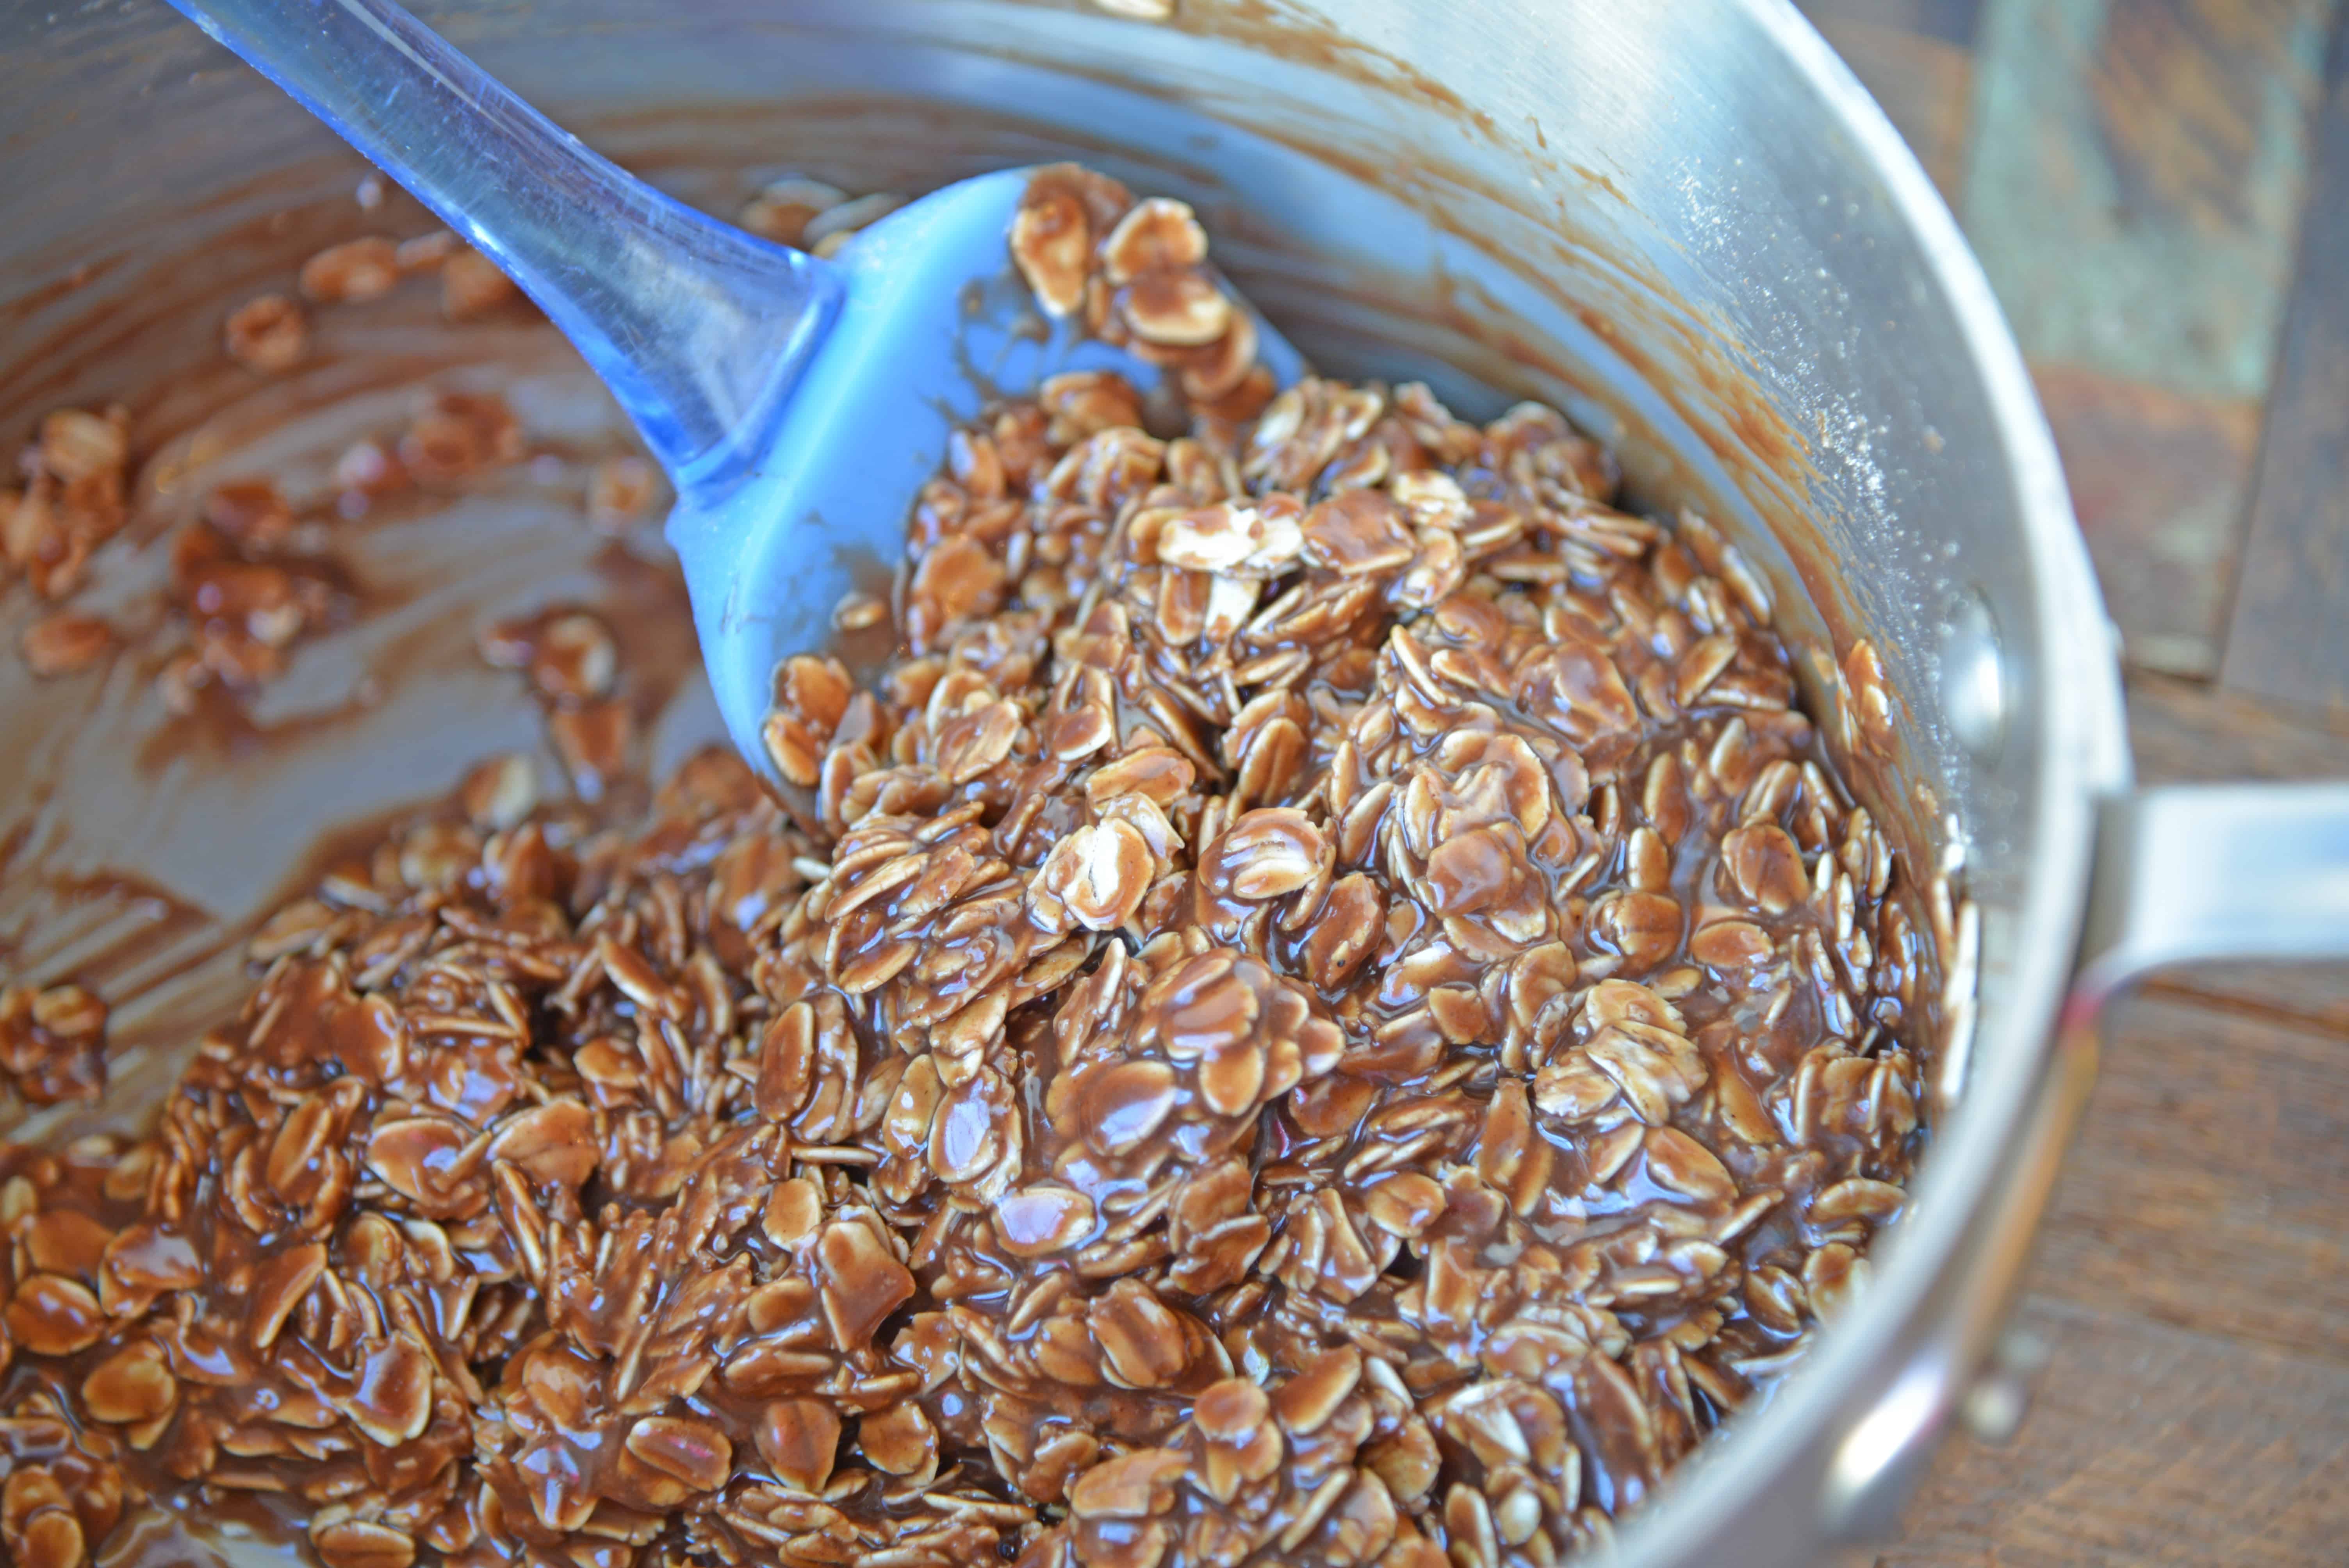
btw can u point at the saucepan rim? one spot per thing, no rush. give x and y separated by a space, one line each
1885 1353
2070 703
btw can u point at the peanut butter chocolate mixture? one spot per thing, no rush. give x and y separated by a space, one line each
1325 1012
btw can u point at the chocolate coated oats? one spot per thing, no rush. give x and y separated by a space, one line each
1325 1010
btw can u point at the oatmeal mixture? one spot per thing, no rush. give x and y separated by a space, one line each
1323 1009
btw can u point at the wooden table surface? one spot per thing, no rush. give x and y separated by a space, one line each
2160 192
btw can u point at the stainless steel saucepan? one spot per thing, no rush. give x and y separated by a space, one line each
1681 220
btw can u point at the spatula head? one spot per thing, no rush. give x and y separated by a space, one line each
934 322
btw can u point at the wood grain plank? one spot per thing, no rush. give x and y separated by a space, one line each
2208 1185
2188 1291
2132 187
2159 480
1948 21
2146 1445
1924 83
2288 637
2310 998
2189 1284
2136 179
2185 731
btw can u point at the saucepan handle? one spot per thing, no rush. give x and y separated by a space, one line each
2189 871
690 323
2182 872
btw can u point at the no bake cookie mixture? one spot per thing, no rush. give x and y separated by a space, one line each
1322 1008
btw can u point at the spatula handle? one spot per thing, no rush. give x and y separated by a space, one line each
698 328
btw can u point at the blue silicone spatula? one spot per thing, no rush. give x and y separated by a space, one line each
798 405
